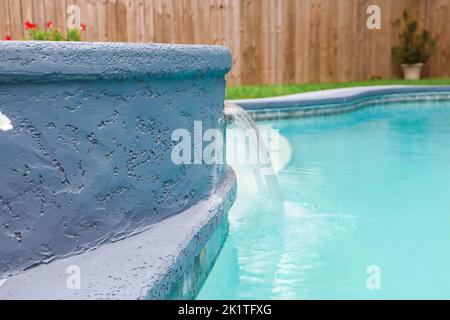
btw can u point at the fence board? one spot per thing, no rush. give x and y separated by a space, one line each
15 18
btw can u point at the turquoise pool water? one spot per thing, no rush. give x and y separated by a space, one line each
367 188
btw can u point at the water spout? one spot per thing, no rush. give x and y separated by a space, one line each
264 174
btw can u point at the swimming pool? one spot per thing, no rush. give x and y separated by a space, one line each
366 190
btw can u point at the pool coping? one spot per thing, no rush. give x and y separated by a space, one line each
144 266
46 61
337 100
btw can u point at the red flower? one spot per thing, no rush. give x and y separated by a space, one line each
83 27
29 25
7 38
49 24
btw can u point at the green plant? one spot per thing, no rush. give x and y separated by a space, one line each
265 91
414 47
50 33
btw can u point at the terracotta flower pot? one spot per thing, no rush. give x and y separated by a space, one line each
412 71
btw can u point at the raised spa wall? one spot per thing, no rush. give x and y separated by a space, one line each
88 161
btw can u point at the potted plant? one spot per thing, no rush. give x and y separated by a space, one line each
415 48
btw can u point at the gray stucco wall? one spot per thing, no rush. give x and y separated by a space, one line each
89 159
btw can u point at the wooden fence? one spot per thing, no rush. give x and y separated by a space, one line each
273 41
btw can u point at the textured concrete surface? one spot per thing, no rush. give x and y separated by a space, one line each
89 159
61 61
145 266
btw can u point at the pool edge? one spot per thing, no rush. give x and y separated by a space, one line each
144 266
335 101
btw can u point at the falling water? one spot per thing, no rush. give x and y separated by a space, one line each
266 178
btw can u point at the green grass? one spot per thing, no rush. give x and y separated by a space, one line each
248 92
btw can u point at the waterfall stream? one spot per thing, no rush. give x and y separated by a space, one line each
250 148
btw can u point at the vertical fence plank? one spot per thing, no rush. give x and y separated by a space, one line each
245 46
102 15
324 31
445 70
111 20
167 24
314 42
60 19
15 19
122 25
89 17
27 9
140 21
288 48
149 21
438 10
38 12
236 34
278 41
272 44
5 27
50 11
131 17
158 17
